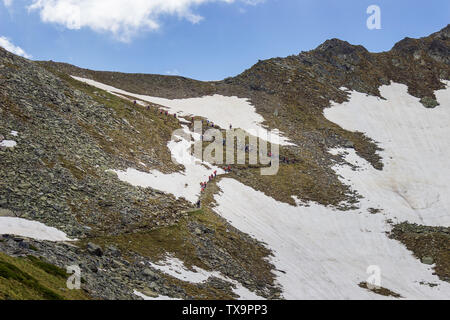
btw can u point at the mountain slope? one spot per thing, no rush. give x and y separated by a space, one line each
309 232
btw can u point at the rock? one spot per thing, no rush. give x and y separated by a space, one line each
94 249
154 286
349 144
198 231
113 251
6 213
149 293
396 62
427 260
24 245
429 102
93 268
150 274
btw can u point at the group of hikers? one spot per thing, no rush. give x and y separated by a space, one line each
210 178
160 111
227 169
208 123
166 113
287 161
204 185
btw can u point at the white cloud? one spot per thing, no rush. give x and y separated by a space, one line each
122 18
173 72
7 3
7 45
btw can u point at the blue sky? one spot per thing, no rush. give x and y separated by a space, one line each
203 39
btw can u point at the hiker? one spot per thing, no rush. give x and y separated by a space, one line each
175 115
224 142
215 173
229 168
231 127
134 102
148 107
199 204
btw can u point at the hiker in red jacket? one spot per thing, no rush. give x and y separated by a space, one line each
215 173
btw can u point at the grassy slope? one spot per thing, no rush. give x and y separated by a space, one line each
33 279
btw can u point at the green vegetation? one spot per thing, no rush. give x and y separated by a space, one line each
34 279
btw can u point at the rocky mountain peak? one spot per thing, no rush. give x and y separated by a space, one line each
338 47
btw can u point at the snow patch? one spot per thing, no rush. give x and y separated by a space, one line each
160 297
414 182
219 109
176 268
31 229
322 253
8 143
325 253
181 184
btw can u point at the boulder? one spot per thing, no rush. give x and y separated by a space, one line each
94 249
150 293
349 144
429 102
149 274
427 260
113 251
